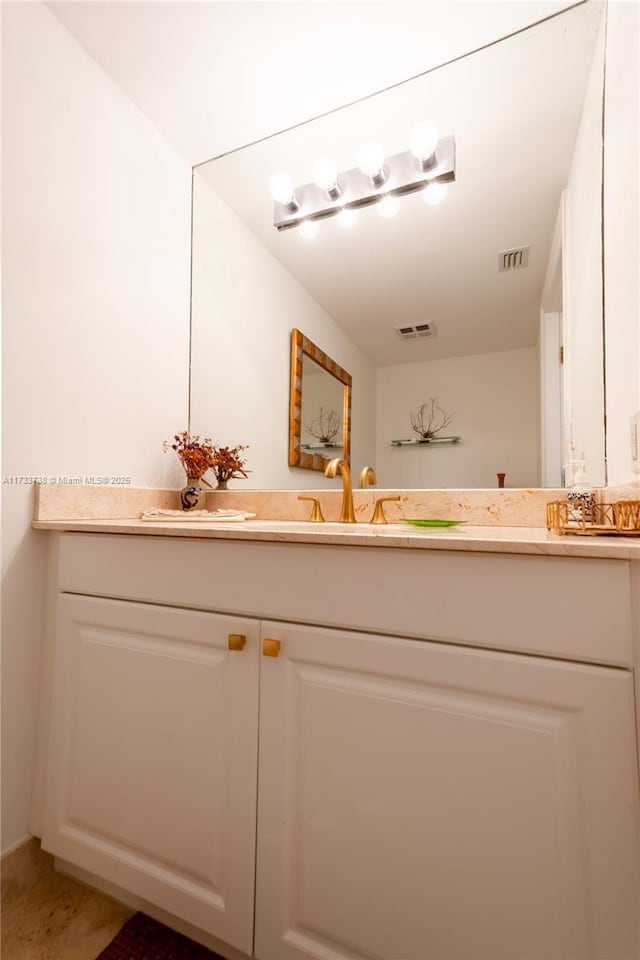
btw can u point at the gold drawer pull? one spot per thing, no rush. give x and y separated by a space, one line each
237 641
270 648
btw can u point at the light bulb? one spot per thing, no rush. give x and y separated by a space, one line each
281 188
371 159
388 206
434 193
325 173
423 140
347 218
308 229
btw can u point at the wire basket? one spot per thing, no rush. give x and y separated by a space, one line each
595 519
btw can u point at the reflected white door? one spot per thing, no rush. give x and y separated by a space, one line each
152 774
551 393
430 802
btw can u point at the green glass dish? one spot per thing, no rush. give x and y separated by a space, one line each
434 523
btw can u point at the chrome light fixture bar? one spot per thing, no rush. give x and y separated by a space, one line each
397 175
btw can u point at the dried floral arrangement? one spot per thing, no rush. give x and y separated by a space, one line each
429 419
229 464
198 456
325 427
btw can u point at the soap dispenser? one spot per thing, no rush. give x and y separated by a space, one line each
580 493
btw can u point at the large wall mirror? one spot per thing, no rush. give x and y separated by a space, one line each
526 114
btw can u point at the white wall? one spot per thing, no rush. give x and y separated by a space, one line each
621 229
582 285
95 305
494 397
244 306
257 67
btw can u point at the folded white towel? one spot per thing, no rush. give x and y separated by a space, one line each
156 513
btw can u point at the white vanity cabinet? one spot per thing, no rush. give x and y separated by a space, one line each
152 759
414 799
430 802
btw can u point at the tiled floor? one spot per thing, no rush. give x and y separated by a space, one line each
47 916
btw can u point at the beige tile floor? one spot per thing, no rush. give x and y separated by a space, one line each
47 916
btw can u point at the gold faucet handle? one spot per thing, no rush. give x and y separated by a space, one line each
367 475
378 513
316 513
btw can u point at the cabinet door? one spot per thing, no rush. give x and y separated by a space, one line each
430 802
152 774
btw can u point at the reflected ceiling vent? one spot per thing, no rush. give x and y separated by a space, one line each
514 259
416 331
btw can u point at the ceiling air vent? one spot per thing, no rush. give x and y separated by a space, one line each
415 331
514 259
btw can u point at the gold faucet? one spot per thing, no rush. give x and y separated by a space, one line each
347 514
367 475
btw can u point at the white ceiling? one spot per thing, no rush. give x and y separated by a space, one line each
212 76
514 109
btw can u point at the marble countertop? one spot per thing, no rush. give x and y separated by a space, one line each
468 538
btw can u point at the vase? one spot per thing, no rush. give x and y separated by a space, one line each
222 485
192 495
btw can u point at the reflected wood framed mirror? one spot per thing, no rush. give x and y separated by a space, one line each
319 406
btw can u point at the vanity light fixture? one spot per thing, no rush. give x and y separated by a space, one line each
281 189
428 166
423 142
325 174
371 162
308 229
435 193
347 218
388 206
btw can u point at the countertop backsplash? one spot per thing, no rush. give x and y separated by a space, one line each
483 508
511 508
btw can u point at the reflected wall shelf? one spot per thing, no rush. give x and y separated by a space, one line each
420 443
321 446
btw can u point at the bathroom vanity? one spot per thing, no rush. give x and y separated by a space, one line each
335 744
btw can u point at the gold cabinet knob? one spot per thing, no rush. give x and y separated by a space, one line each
316 513
237 641
270 648
378 513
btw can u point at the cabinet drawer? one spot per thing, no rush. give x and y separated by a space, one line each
573 608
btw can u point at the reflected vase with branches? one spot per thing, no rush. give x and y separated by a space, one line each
429 419
325 427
